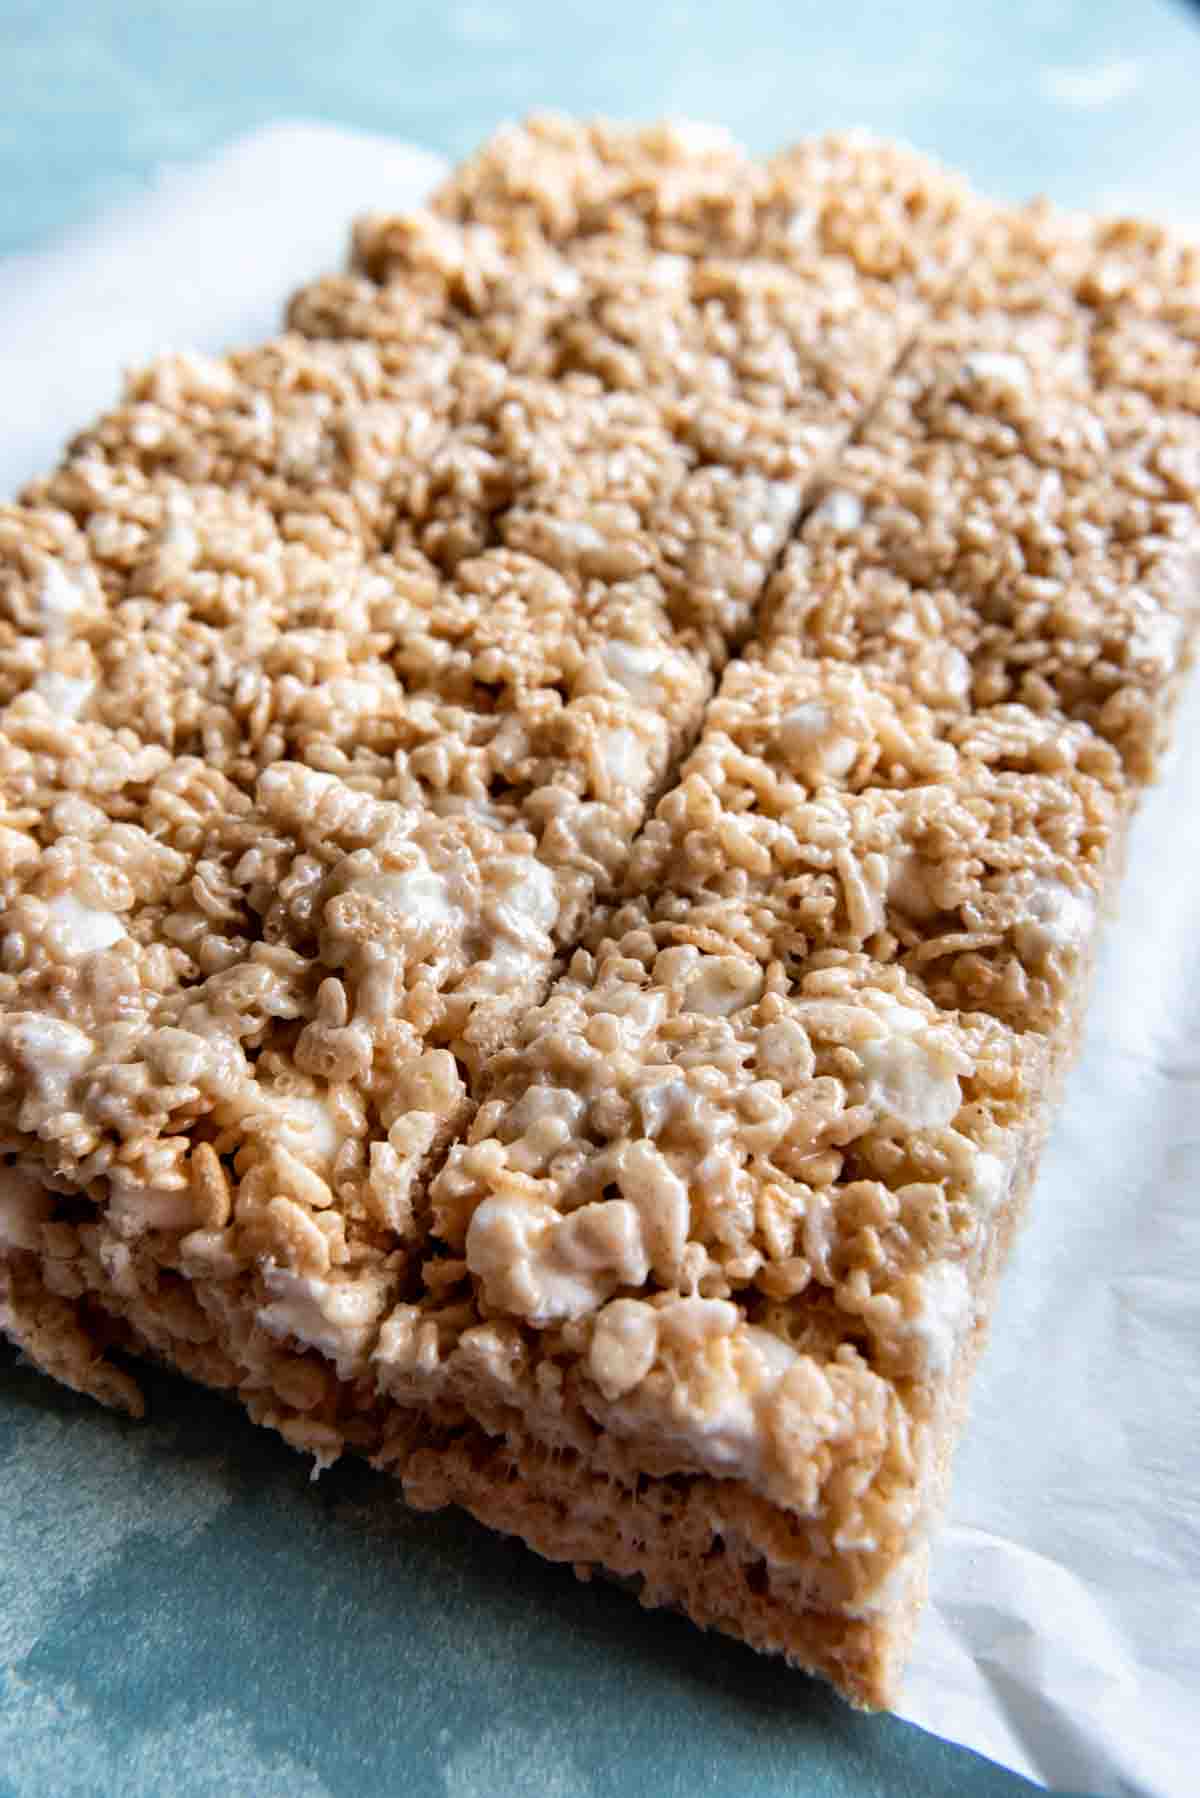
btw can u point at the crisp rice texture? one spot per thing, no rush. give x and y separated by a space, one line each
555 823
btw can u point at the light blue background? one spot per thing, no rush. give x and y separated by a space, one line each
182 1613
94 93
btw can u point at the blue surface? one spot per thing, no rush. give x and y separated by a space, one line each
94 93
182 1613
204 1620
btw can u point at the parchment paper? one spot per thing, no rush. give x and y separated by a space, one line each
1063 1636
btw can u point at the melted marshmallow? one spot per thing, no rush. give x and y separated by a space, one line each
635 667
906 887
60 598
65 694
724 1435
660 1102
83 929
723 984
935 1329
133 1208
721 1425
841 510
333 1317
1157 640
350 695
534 899
624 758
54 1053
801 224
670 271
623 1347
988 1181
943 676
1055 918
908 1072
813 745
417 893
523 919
784 1052
998 368
310 1125
536 896
545 1268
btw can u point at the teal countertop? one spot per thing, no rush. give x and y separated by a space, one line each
182 1612
186 1615
1081 94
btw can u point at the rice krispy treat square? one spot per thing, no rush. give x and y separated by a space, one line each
761 344
308 460
361 446
508 691
235 1032
893 214
511 693
149 1089
1130 287
1002 533
604 490
679 411
799 346
248 990
720 1231
679 186
357 449
837 812
321 436
687 188
482 626
144 890
671 1075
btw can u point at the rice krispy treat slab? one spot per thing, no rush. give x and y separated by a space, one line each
699 478
797 350
339 677
242 1013
685 188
